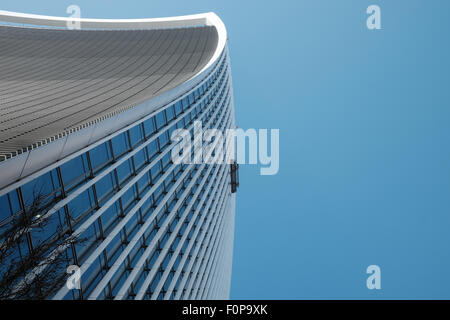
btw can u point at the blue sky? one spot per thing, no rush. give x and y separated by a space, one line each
364 119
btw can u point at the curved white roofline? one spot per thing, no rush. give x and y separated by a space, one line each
209 18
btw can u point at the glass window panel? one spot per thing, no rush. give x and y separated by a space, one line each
52 227
197 94
178 108
161 120
136 135
120 144
110 215
105 186
185 103
5 210
191 98
158 195
170 113
143 183
156 171
152 149
163 139
14 201
140 159
166 160
193 114
149 126
147 207
100 155
187 119
81 204
180 124
171 130
124 171
91 235
40 187
74 171
128 197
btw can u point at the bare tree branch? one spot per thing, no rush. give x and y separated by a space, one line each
18 276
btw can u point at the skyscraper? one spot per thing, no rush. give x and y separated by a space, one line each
86 118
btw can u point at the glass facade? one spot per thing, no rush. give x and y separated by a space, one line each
153 229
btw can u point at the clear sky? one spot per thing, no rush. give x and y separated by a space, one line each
364 119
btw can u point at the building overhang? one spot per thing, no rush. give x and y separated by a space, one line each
58 149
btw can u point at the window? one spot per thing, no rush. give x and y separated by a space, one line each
52 227
149 127
5 208
42 186
185 103
105 186
124 171
128 198
196 95
81 204
166 160
187 119
136 135
156 171
74 171
170 113
180 124
110 215
153 149
163 139
9 205
143 184
171 130
100 156
120 144
140 158
191 99
84 248
161 120
178 108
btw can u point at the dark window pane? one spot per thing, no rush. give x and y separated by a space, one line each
100 155
40 187
14 201
91 235
136 135
178 108
152 149
143 184
105 186
81 204
52 227
124 171
128 197
166 160
149 126
5 210
160 120
139 159
170 113
185 103
163 139
180 124
74 171
110 215
156 171
120 144
191 99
